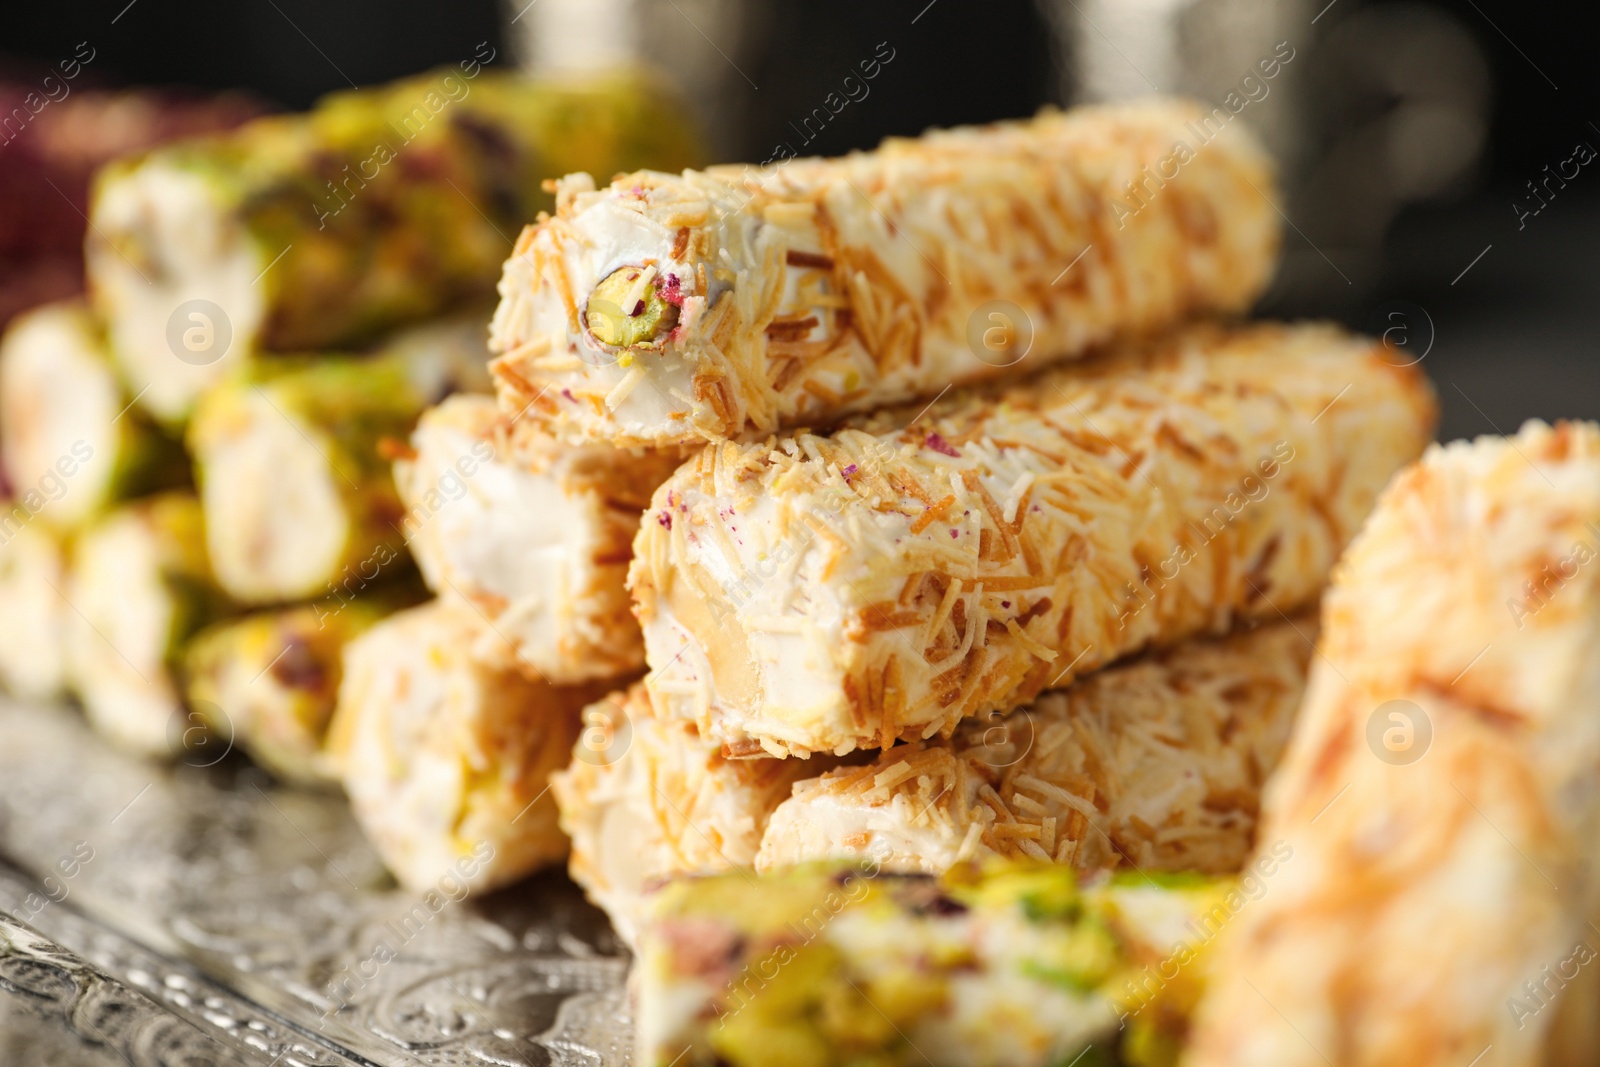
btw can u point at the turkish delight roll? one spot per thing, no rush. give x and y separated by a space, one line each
645 799
536 535
1441 793
380 207
672 307
447 761
293 461
819 593
69 433
266 683
1155 765
140 587
1010 964
33 626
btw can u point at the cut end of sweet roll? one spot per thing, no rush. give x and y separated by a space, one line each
279 526
533 533
181 281
645 799
447 761
141 586
34 622
72 442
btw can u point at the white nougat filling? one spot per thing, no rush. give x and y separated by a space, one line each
190 247
121 632
35 617
506 537
532 533
766 571
278 522
60 404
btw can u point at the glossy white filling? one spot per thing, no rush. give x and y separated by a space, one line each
825 825
506 538
764 577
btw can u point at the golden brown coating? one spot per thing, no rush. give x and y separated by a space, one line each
1441 793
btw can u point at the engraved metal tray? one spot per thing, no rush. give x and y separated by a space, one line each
189 915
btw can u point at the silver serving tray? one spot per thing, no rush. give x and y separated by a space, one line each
191 915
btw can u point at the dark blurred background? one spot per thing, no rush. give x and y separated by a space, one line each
1436 156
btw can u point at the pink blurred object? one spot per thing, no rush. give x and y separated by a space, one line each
48 156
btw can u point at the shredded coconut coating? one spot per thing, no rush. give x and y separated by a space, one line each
1437 897
1157 765
646 799
447 761
814 287
534 536
822 593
